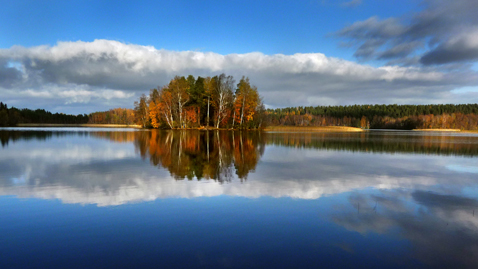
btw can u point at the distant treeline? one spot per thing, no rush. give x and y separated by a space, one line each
379 116
12 116
113 116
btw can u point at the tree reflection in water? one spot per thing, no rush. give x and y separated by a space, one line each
202 154
382 142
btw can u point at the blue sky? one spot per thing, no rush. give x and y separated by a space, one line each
303 52
223 27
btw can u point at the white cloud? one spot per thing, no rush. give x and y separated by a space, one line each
89 72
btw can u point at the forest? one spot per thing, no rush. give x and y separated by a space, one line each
407 117
12 116
113 116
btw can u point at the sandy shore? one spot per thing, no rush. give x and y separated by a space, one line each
312 129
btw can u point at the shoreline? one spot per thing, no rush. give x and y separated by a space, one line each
78 125
436 130
310 129
267 129
328 129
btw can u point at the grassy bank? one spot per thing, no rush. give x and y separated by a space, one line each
78 125
312 129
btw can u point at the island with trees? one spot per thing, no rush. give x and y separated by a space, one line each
215 102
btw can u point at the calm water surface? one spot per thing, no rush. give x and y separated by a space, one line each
96 198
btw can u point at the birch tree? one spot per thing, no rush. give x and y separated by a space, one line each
223 96
179 89
209 87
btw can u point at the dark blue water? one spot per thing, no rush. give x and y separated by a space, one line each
98 198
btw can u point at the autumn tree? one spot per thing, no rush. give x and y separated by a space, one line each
246 102
154 104
162 108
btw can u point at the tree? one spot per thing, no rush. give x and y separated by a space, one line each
246 102
4 117
166 107
141 111
223 97
196 102
179 88
363 122
261 114
209 88
161 108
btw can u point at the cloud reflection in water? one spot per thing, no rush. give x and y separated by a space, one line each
403 185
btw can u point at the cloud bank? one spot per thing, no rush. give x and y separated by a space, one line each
444 32
104 74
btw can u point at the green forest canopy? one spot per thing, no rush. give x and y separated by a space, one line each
12 116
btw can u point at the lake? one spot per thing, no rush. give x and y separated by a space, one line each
96 198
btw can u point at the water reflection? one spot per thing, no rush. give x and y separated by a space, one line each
442 228
202 154
426 199
380 142
85 167
13 136
461 144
